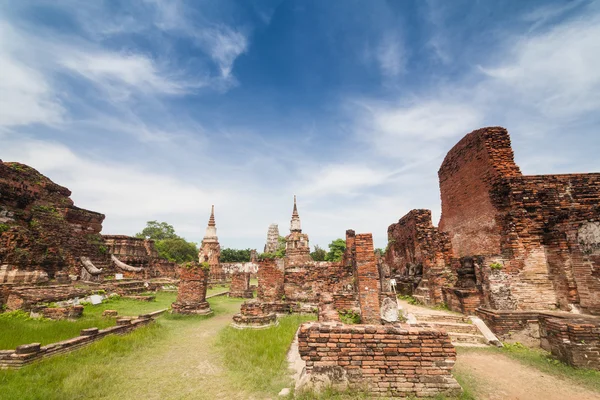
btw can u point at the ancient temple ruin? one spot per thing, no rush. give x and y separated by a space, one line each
272 244
509 247
210 250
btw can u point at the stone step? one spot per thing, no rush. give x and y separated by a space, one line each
458 339
454 327
459 319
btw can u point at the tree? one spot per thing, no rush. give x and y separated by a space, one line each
234 255
177 250
280 253
379 252
157 231
336 250
319 254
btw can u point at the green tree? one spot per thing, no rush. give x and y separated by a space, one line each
319 254
379 251
336 250
280 253
177 250
234 255
157 231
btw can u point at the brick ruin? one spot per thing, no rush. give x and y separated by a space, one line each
385 360
43 235
47 244
240 285
272 239
506 242
191 294
138 258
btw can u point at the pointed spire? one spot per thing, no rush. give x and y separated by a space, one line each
211 220
295 222
295 212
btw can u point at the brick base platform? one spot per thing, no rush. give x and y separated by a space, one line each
385 360
253 315
199 308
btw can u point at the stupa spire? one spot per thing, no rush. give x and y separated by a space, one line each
211 220
295 225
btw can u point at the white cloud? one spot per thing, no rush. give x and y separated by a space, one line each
341 179
556 72
390 56
26 96
224 45
118 72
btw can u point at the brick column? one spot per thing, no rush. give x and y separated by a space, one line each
367 279
191 295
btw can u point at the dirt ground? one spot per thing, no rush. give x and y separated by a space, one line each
497 377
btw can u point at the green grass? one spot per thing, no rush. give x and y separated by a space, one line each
546 363
256 359
217 289
82 374
92 371
18 329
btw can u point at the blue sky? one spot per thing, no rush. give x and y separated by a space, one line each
156 109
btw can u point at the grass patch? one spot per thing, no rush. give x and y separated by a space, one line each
256 359
545 362
83 374
217 289
17 328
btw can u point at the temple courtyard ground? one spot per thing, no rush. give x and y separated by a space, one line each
202 358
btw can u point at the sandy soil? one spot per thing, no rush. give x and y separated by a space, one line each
497 377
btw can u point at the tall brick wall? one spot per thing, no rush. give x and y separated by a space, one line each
388 360
420 254
467 176
270 280
367 279
304 281
541 231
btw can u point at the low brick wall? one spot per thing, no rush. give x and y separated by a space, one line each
574 341
28 353
63 312
505 322
465 301
386 360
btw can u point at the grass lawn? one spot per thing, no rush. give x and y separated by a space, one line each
256 359
100 370
217 289
17 328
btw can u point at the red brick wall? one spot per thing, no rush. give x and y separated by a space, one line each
389 360
367 279
575 341
466 176
270 280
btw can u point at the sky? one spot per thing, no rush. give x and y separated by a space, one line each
157 109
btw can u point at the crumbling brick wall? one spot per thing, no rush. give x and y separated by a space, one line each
270 280
305 280
419 255
240 285
42 232
139 253
574 341
388 360
540 233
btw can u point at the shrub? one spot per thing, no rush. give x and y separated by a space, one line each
349 316
496 266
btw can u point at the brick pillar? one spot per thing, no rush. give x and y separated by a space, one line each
191 295
367 279
240 285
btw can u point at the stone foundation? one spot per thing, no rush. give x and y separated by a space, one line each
57 313
574 341
253 316
385 360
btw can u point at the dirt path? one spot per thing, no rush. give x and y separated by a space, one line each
184 366
497 377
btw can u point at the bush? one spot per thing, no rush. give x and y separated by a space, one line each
349 316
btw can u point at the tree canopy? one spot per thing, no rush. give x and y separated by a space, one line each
234 255
157 231
168 244
336 250
319 254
